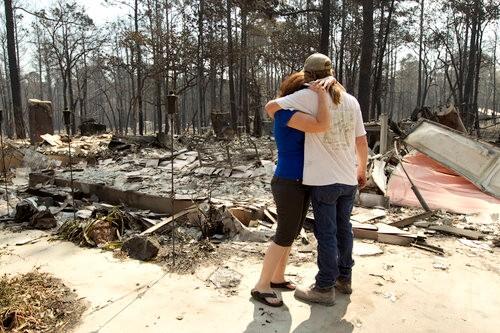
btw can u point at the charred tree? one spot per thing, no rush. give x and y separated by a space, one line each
324 43
377 84
340 68
139 79
230 64
365 66
15 83
244 68
200 69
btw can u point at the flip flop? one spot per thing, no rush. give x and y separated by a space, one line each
261 297
287 285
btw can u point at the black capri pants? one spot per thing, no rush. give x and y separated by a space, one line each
292 200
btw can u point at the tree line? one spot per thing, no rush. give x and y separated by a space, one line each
226 58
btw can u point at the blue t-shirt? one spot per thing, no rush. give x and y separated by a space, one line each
290 143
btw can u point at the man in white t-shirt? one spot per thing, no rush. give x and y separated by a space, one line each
334 165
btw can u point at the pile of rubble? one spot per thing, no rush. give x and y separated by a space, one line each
208 229
452 179
117 194
201 165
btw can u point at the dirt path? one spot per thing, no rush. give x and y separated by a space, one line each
398 291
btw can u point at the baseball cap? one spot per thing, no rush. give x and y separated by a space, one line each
317 62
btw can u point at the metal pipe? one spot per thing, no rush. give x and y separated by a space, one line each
67 122
384 130
4 168
172 184
413 187
172 109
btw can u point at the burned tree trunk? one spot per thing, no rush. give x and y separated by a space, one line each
139 79
15 84
377 86
420 49
200 69
340 68
324 42
230 59
244 69
365 67
468 92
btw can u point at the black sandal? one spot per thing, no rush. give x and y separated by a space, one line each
261 297
287 285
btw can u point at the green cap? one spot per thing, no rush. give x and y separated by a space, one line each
317 62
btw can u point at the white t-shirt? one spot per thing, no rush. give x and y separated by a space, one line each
329 157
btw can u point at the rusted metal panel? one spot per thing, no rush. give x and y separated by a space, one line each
475 160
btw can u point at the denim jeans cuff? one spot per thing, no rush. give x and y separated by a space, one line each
346 275
324 288
345 278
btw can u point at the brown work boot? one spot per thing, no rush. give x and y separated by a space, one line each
343 285
316 295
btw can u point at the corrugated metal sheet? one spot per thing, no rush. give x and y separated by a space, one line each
475 160
441 187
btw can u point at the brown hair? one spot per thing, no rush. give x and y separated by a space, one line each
291 84
296 81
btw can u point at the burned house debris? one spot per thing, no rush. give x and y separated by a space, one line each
122 189
142 146
115 194
90 127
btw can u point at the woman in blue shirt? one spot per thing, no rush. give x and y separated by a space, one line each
290 196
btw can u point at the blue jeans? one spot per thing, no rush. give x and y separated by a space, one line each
332 206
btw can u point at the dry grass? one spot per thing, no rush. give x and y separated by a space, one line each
37 302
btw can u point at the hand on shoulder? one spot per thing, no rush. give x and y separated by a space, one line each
317 87
326 82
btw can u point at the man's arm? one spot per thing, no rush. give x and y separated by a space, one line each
302 121
271 108
321 122
362 155
294 102
299 100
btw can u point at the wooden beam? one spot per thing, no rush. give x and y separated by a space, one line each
163 224
412 219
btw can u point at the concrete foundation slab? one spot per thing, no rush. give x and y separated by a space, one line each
132 296
154 203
